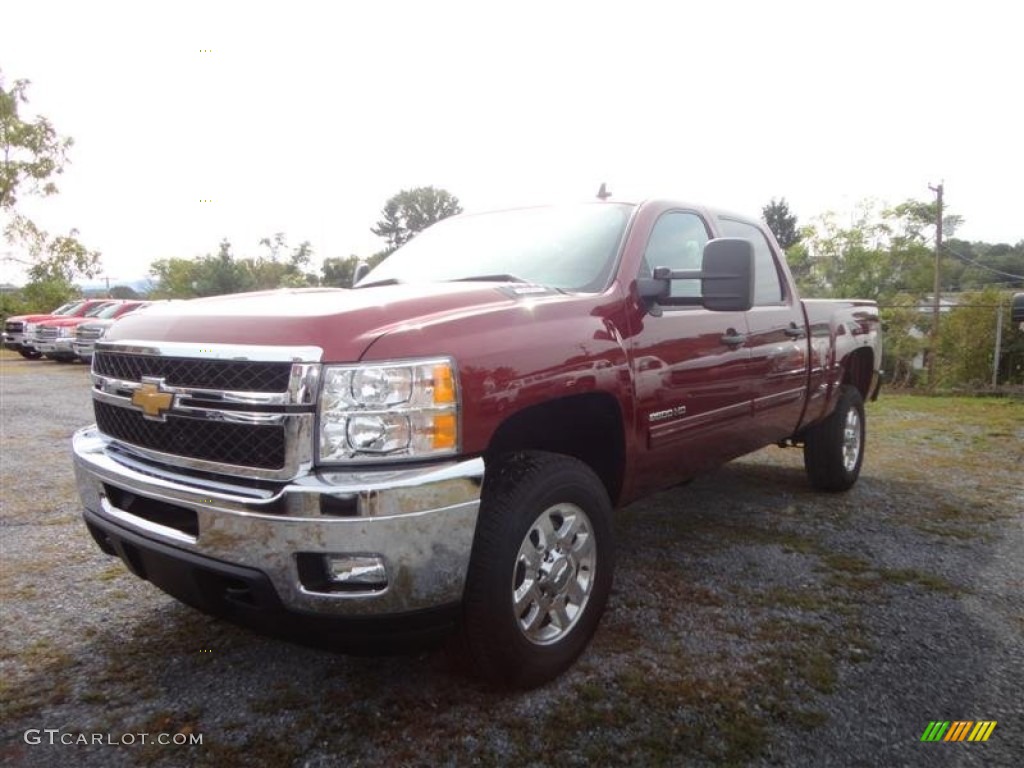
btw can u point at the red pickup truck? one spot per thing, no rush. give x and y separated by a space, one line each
444 444
19 330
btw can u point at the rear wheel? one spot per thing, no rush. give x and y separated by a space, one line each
540 571
834 449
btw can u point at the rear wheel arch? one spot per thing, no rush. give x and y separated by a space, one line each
859 371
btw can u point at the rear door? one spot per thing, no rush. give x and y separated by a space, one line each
690 368
776 339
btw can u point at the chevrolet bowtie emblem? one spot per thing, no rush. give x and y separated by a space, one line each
152 400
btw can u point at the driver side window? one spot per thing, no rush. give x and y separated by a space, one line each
677 242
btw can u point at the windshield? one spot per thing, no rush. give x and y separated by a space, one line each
109 310
67 309
95 311
572 248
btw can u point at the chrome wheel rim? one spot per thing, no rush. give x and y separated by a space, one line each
553 574
851 440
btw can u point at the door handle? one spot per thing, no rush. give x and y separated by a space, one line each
733 339
794 331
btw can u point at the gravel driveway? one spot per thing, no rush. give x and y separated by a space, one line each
752 621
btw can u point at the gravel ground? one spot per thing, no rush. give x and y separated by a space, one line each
752 622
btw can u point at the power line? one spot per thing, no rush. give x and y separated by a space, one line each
946 307
979 265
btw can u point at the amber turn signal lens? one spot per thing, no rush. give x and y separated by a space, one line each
444 431
444 385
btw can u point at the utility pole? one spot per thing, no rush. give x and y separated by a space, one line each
933 352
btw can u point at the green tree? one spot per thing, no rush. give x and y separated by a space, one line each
33 156
174 278
33 152
123 292
781 222
904 339
338 272
881 253
222 274
44 295
967 339
411 211
37 297
280 269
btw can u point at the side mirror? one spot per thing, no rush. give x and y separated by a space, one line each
1017 308
361 271
727 284
726 279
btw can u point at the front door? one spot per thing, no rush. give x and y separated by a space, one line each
690 368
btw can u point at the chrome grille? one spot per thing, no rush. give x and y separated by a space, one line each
230 375
230 409
46 333
15 326
246 445
88 333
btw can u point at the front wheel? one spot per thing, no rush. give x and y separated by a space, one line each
541 568
29 354
834 449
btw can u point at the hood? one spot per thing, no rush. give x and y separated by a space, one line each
59 321
30 318
92 322
342 322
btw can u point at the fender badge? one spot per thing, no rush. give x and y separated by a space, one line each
152 401
670 413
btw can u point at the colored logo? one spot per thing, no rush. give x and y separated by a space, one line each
958 730
152 400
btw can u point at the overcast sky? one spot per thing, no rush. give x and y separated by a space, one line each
306 117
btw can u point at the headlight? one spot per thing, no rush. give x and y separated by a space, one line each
399 410
63 332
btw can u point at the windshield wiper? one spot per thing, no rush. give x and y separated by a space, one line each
375 283
504 278
496 278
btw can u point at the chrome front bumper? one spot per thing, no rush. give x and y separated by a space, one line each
419 521
54 346
83 349
15 340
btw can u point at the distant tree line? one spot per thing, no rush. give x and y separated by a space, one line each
887 254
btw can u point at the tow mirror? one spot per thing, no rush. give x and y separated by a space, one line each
1017 308
728 282
726 276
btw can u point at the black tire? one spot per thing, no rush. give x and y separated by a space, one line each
833 455
519 493
30 354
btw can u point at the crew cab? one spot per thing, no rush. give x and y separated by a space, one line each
444 444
